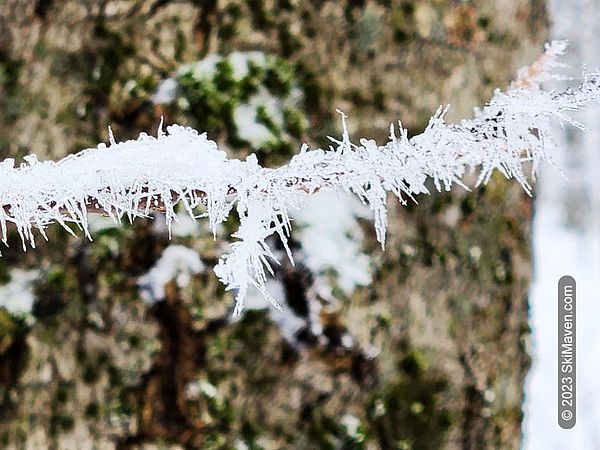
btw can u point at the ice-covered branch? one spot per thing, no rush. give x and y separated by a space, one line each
182 166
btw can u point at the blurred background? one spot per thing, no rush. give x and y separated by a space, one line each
566 240
127 342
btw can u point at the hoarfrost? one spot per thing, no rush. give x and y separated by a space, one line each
181 166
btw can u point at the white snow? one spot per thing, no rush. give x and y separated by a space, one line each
176 262
332 239
239 61
288 322
17 295
567 242
558 252
166 91
184 226
352 423
240 445
207 66
197 387
97 222
249 128
206 69
246 120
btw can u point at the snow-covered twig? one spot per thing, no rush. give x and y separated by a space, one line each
182 166
543 69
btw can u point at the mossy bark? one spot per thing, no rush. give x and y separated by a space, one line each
439 351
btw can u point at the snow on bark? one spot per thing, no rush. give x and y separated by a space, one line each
331 241
132 178
17 295
176 262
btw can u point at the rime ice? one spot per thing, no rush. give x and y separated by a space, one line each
130 179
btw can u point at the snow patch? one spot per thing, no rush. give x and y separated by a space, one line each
183 226
352 424
332 239
240 60
166 92
247 121
176 262
97 222
206 68
285 318
17 295
196 388
246 115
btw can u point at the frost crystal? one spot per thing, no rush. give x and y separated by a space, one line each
132 178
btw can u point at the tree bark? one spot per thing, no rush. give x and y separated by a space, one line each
438 339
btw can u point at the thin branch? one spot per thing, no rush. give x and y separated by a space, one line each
132 178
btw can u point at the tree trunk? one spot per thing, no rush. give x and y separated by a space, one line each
431 352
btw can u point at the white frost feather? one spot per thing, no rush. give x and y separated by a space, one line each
183 166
